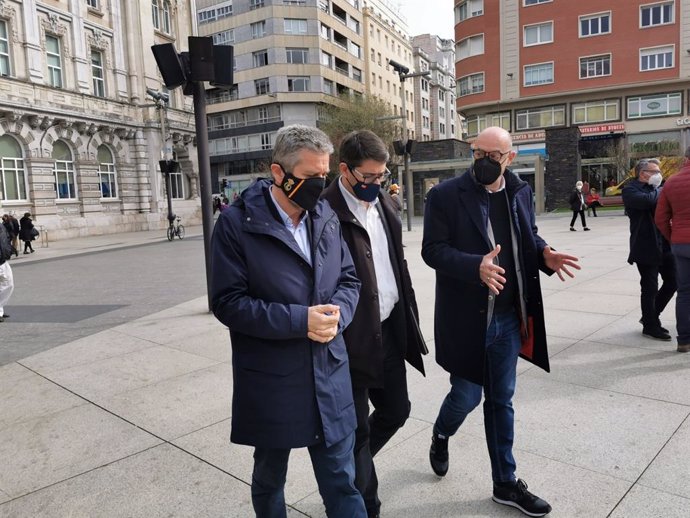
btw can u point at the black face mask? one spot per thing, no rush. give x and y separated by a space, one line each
364 191
304 192
486 171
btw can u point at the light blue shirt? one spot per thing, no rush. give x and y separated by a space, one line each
300 232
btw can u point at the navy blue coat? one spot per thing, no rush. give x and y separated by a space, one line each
288 391
647 245
456 239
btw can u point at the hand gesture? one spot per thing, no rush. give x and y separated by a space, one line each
322 322
490 273
560 263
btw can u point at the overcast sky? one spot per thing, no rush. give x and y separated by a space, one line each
432 16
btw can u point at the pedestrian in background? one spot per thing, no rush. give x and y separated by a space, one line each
578 206
672 217
285 286
27 232
6 277
481 238
649 250
394 191
384 331
593 201
15 233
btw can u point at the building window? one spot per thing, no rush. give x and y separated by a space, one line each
65 185
326 59
5 69
260 59
535 2
224 37
656 58
659 105
262 86
479 123
472 46
539 74
54 61
295 26
214 13
92 3
12 174
472 84
468 9
538 34
656 14
595 24
355 50
595 66
167 20
160 15
258 29
177 186
546 117
328 87
596 111
155 14
357 74
297 55
255 4
298 84
106 172
97 74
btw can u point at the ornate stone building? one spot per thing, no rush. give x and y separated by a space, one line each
80 139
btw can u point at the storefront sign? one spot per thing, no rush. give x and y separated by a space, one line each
602 128
683 121
530 135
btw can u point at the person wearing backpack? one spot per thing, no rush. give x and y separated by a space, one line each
6 278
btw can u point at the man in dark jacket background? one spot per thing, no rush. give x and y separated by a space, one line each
481 238
383 332
6 277
649 250
285 285
672 217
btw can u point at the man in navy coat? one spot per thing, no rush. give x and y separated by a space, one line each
481 238
285 285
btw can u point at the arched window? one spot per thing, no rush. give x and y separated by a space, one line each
107 173
65 186
12 174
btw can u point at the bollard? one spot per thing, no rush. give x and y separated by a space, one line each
43 232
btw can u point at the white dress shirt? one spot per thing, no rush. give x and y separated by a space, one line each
368 216
299 232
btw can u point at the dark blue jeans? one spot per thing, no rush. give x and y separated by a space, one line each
334 469
502 349
681 254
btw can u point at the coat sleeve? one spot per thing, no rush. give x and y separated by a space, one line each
437 248
634 198
346 295
230 299
663 215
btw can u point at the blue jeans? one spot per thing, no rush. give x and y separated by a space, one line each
334 469
681 254
502 349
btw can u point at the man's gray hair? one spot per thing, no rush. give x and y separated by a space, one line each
642 164
290 140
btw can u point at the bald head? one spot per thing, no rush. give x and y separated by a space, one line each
494 138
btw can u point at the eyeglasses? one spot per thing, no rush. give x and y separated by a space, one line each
369 178
651 171
496 156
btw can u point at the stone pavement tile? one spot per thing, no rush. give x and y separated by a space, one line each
409 489
574 323
25 395
627 332
49 449
661 375
604 287
99 346
128 372
4 497
606 432
644 502
169 326
588 301
160 482
212 343
177 406
670 471
212 444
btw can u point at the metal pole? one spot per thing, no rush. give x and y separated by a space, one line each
199 95
407 193
167 156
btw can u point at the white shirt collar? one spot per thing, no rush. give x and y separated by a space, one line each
284 215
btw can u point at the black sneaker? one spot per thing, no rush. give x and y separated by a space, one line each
656 333
438 454
516 495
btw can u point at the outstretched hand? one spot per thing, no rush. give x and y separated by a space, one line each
560 263
490 273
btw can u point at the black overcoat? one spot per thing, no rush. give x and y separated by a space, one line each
647 244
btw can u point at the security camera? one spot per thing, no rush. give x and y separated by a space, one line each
158 96
400 69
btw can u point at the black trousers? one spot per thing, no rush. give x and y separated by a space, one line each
391 410
653 299
582 217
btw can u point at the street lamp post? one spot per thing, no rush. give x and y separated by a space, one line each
404 73
167 164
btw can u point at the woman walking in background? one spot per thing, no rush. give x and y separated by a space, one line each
26 232
578 206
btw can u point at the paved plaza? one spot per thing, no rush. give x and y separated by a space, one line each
134 421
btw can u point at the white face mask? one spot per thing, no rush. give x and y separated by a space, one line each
655 180
579 187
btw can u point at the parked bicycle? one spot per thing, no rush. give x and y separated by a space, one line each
175 229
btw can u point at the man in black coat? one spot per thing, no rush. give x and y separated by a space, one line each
384 331
648 248
481 238
285 285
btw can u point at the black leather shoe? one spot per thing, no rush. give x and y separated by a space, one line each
656 333
438 454
660 327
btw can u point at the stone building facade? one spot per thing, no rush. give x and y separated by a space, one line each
80 139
